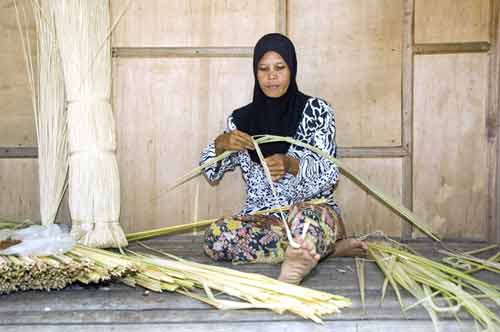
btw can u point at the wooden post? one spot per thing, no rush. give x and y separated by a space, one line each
492 127
407 111
281 17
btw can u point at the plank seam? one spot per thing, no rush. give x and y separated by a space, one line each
407 111
451 48
343 152
182 52
19 152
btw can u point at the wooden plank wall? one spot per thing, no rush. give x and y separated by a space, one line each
19 189
18 176
453 163
452 21
349 52
450 183
17 126
412 83
168 109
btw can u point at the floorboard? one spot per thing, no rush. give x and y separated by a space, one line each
116 307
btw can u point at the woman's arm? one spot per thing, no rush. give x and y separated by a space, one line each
215 172
233 140
316 174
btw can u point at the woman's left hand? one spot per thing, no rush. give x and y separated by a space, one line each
280 164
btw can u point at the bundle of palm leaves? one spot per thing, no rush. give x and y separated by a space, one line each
427 280
199 281
58 271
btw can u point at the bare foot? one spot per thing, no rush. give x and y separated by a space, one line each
350 248
298 262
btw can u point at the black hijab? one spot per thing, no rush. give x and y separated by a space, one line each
274 116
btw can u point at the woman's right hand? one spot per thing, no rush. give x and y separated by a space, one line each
233 140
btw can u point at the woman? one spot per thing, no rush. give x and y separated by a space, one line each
279 108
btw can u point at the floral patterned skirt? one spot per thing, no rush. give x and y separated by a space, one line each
262 239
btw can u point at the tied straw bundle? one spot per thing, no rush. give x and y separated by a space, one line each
48 106
74 48
83 28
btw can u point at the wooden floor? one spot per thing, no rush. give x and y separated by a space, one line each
116 307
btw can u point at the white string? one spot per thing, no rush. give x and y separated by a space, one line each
95 221
88 100
94 151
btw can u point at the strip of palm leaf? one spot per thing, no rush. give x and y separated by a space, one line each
144 235
384 198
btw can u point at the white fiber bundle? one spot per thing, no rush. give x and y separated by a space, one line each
51 117
47 85
94 187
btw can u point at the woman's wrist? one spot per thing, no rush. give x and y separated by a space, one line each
218 149
292 165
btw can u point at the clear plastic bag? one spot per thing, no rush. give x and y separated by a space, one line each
6 234
40 240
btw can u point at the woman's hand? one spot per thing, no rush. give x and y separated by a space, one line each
234 140
280 164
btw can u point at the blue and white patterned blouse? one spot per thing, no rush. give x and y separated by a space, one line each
317 175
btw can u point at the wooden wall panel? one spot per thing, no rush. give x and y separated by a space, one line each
447 21
349 53
193 22
450 169
19 189
362 212
17 126
167 110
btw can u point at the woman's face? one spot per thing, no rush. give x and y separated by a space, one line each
273 75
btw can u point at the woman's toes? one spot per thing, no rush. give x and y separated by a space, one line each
298 262
350 247
359 252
